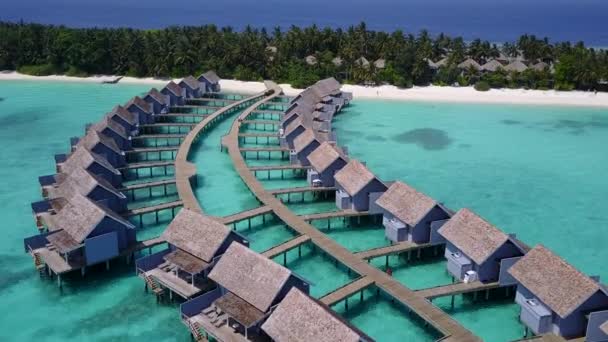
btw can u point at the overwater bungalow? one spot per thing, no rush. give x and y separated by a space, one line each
516 66
491 66
296 110
82 233
324 119
325 161
92 162
249 288
557 298
294 129
83 182
115 131
477 250
192 87
303 146
210 81
130 121
176 94
142 108
409 215
195 244
300 318
358 188
468 64
158 100
102 145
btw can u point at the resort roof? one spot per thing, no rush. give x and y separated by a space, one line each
540 66
337 61
239 309
517 66
442 62
197 234
311 60
474 236
354 176
299 318
124 114
157 95
190 82
303 140
107 122
93 138
431 64
82 157
380 63
555 282
323 156
139 102
63 241
80 181
186 261
362 61
211 77
491 65
81 215
249 275
302 120
468 63
406 203
174 88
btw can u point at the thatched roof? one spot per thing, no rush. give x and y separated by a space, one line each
190 82
83 158
239 309
474 236
124 114
311 60
380 63
211 77
555 282
157 96
337 61
186 261
323 156
363 62
80 216
94 138
431 64
517 66
354 176
468 63
140 103
302 120
303 140
63 241
299 318
197 234
492 65
174 88
107 123
540 66
249 275
326 87
406 203
442 62
80 181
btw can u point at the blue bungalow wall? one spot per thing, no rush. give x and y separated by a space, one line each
361 200
125 234
425 231
287 141
190 92
144 117
289 119
111 200
574 325
157 107
594 333
174 100
209 87
122 142
113 178
327 176
132 129
302 157
487 272
114 158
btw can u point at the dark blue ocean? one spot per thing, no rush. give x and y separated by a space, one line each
497 21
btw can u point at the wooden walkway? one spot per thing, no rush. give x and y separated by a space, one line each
455 289
390 250
189 115
138 186
152 149
258 135
301 189
153 208
168 124
146 165
334 214
278 167
346 291
418 304
286 246
264 149
247 214
159 136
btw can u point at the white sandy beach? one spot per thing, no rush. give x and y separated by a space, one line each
386 92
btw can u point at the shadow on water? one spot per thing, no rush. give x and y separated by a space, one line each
573 127
510 122
375 138
427 138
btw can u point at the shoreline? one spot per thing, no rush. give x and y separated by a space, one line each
431 93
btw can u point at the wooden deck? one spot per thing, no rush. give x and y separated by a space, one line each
56 262
286 246
418 304
390 250
174 283
297 190
334 214
278 168
153 208
455 289
221 331
247 214
146 185
346 291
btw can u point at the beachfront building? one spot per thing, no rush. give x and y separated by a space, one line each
516 66
192 87
468 64
557 298
409 215
142 109
195 244
92 162
128 120
477 250
175 93
357 188
102 145
300 318
303 146
82 233
114 130
210 82
325 161
159 101
491 66
249 288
